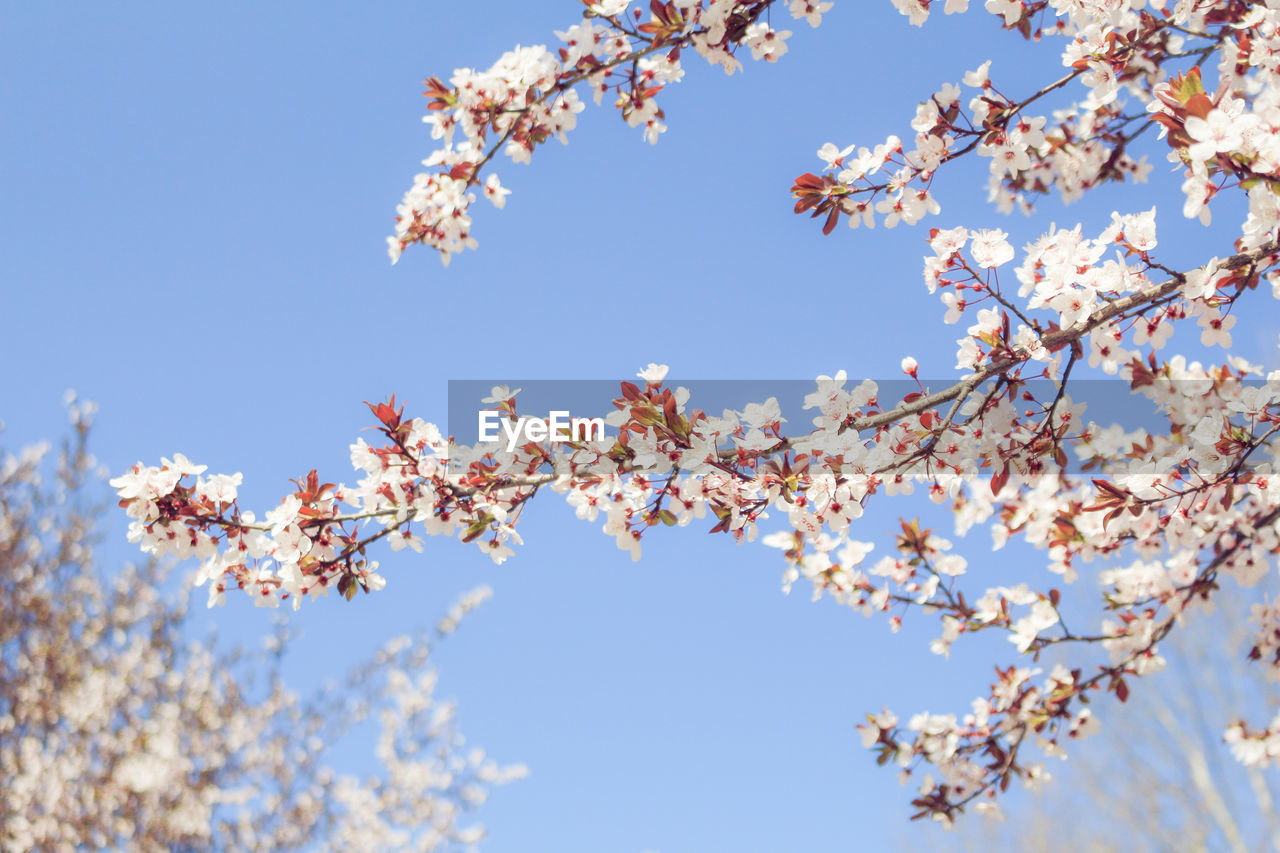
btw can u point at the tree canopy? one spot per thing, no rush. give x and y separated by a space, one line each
1157 517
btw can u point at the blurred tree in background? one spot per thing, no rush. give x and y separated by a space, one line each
1156 776
118 730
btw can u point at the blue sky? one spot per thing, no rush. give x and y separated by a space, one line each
196 203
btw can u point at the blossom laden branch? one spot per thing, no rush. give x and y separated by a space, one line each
529 96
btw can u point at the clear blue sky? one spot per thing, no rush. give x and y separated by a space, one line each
195 206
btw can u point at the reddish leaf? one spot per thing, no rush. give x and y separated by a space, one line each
999 479
833 219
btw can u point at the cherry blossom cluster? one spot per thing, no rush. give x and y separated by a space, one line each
116 731
1225 138
530 95
1163 517
1259 748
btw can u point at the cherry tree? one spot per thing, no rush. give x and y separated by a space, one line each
1157 519
119 730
